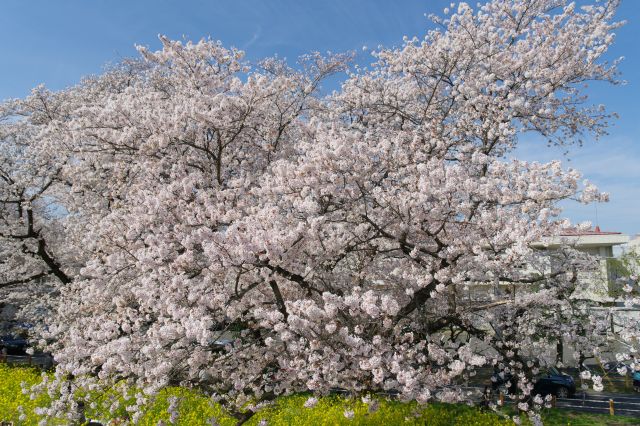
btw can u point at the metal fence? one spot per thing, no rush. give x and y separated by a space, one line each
612 404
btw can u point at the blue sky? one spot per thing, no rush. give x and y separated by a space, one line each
56 43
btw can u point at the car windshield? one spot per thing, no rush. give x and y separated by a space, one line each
553 372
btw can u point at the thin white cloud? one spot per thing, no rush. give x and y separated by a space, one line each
254 38
613 165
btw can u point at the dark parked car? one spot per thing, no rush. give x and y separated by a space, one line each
551 382
13 345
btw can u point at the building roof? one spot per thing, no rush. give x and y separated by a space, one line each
585 238
572 232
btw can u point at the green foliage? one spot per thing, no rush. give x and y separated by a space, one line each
331 411
563 417
12 398
197 409
617 271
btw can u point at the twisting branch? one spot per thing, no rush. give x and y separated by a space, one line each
24 280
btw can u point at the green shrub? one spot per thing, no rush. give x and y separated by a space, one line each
330 411
13 403
194 408
197 409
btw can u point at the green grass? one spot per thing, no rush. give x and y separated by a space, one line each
197 409
563 417
330 411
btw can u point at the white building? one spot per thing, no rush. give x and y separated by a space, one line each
598 283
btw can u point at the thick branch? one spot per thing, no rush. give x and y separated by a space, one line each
51 263
299 279
24 280
54 266
279 300
419 298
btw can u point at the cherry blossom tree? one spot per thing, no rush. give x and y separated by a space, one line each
34 253
239 233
